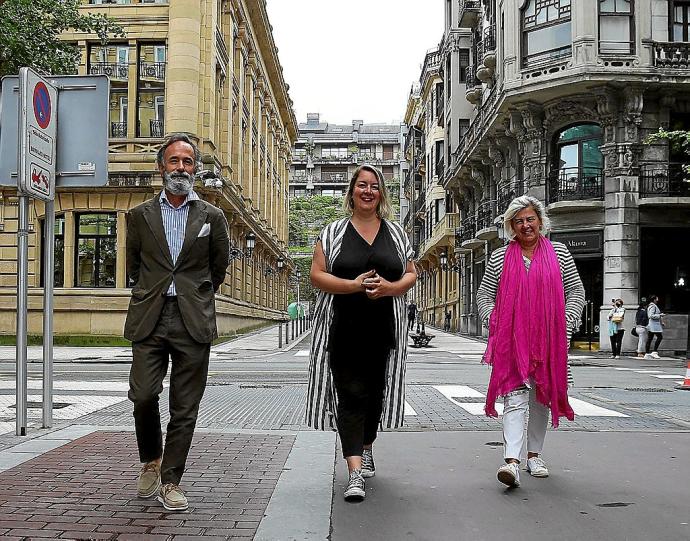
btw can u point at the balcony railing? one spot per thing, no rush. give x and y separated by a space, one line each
486 214
114 70
505 193
466 231
469 12
667 180
118 129
157 129
672 54
152 70
489 39
130 179
471 77
574 184
546 57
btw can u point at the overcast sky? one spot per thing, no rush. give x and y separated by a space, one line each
355 59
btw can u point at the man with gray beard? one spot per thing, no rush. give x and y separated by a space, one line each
177 255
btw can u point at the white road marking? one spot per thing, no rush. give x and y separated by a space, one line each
73 385
626 369
409 410
666 376
648 371
302 353
580 407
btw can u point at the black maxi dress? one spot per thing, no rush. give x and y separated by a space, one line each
361 336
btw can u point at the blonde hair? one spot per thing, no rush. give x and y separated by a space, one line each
384 209
521 203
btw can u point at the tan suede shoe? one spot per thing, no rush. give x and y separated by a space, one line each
172 497
149 480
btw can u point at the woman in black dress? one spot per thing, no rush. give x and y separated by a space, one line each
372 268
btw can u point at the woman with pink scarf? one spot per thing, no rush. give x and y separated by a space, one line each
532 297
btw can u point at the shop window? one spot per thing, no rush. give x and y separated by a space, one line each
59 268
96 240
546 31
616 33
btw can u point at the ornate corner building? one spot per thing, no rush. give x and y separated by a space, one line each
556 99
208 68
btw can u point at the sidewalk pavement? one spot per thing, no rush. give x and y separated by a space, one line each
78 481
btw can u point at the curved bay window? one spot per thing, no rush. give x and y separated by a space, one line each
616 33
546 32
578 166
96 242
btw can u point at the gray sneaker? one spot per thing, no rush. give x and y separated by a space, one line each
172 498
368 468
149 480
355 487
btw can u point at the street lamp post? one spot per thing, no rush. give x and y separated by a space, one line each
298 274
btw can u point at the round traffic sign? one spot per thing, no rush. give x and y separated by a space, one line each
42 106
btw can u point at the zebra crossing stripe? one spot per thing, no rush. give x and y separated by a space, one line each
302 353
409 410
666 376
453 392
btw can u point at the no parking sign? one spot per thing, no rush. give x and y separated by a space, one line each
37 136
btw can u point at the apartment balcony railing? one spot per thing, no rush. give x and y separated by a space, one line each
667 180
486 214
473 86
489 53
130 179
439 168
466 231
298 179
505 193
469 13
546 57
152 70
157 129
574 184
341 179
118 129
671 54
114 70
299 156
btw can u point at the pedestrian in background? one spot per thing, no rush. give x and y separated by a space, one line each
446 322
616 331
655 327
363 267
177 255
641 322
532 297
411 315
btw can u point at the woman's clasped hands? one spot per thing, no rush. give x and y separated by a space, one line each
374 285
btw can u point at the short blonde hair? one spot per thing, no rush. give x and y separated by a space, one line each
384 209
521 203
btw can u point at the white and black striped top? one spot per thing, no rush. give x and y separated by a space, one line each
572 286
321 404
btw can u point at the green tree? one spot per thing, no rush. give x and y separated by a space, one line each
308 216
678 140
30 34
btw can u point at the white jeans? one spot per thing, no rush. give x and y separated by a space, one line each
515 408
642 340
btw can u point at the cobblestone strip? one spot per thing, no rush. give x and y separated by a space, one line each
84 490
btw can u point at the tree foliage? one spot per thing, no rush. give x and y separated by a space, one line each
30 34
678 140
308 216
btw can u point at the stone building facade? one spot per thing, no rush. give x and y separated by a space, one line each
208 68
563 96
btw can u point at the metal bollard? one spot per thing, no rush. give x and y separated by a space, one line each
292 329
280 335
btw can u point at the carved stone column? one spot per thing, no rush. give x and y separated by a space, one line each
534 157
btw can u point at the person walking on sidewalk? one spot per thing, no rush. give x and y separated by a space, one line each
362 267
531 296
411 315
446 321
177 255
616 318
641 322
655 327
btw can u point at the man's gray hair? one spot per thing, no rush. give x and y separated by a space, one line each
174 138
521 203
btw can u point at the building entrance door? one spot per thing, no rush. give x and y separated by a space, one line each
591 271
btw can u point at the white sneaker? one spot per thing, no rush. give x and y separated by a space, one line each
536 467
648 356
654 355
509 474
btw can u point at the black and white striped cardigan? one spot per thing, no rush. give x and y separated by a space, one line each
572 287
321 396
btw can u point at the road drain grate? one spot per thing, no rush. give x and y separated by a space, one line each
614 504
648 390
39 405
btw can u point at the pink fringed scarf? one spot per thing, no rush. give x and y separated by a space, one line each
527 332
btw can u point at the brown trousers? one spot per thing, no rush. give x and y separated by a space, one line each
169 341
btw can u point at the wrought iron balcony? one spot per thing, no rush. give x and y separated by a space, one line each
157 129
118 129
505 193
466 231
114 70
469 13
489 53
486 214
152 70
671 54
574 184
665 180
130 179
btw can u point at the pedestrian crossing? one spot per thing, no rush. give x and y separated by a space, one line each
472 402
654 373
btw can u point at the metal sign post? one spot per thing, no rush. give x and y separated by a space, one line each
37 131
48 282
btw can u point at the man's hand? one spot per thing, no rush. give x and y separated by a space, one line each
377 287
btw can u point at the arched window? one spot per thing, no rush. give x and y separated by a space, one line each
546 33
578 164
